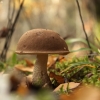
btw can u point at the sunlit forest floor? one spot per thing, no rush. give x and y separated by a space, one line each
76 78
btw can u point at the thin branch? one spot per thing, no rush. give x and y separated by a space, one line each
8 38
9 3
17 16
13 11
79 9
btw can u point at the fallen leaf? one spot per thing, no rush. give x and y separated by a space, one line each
82 92
72 85
24 68
29 63
51 60
22 89
61 58
58 78
65 97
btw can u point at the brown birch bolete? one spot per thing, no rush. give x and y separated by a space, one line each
41 42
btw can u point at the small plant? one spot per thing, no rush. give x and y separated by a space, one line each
61 89
67 90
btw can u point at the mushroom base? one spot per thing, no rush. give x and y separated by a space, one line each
40 76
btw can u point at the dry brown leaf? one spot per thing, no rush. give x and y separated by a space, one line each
65 97
58 78
72 85
22 89
87 92
29 63
61 58
83 92
24 68
51 60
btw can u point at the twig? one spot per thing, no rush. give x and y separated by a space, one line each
8 38
83 26
10 14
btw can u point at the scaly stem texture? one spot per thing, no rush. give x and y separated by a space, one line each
40 76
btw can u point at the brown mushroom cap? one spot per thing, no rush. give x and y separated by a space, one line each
41 41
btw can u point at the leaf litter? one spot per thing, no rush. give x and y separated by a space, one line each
59 69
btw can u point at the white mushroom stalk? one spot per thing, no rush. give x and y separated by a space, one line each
40 76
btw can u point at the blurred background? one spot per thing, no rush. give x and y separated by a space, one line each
62 16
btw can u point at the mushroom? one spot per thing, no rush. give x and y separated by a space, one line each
41 42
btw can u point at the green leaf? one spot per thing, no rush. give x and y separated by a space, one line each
14 58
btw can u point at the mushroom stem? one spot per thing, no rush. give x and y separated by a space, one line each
40 76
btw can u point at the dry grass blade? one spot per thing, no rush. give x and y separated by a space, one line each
82 66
